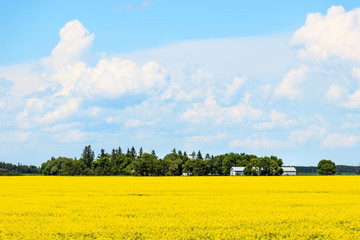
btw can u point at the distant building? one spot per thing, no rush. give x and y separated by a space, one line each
187 174
291 171
236 171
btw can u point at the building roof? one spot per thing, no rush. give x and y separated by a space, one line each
238 169
289 169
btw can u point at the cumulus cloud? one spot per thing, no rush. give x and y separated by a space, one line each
133 123
310 133
261 143
70 136
356 72
42 112
65 80
209 109
234 87
341 97
290 84
5 86
112 78
195 86
75 40
278 119
335 34
338 140
15 136
61 112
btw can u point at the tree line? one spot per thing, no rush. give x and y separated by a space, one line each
9 169
176 163
133 163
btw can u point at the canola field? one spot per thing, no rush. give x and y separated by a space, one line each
286 207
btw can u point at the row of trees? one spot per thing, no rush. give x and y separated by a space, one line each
148 164
9 169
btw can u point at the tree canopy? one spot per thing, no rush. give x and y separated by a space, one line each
173 164
326 167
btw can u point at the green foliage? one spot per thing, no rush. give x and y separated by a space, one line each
87 156
265 166
173 164
9 169
326 167
62 166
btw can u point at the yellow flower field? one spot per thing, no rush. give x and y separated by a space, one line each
292 207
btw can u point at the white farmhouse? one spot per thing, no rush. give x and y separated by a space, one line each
289 171
237 171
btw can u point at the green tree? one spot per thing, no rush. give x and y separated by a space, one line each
173 163
88 156
264 166
326 167
153 152
141 152
199 155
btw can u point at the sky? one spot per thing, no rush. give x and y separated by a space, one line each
259 77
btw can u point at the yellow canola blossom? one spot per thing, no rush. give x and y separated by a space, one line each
286 207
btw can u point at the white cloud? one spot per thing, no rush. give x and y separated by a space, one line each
349 125
111 78
52 89
338 140
134 123
38 111
15 136
290 84
61 112
335 34
234 87
343 98
356 73
277 120
210 110
335 93
261 143
71 136
199 76
310 133
75 40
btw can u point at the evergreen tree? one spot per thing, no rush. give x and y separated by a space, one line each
133 152
141 152
153 152
102 153
88 156
199 156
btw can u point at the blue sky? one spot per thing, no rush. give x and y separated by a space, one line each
269 78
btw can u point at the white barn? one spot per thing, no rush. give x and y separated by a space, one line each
237 171
291 171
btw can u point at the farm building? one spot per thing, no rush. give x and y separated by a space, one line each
187 174
289 171
235 171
